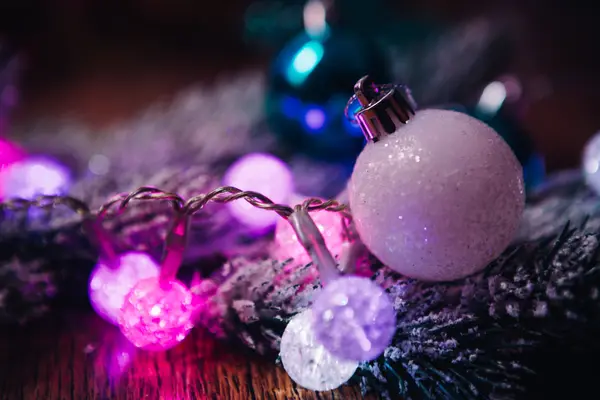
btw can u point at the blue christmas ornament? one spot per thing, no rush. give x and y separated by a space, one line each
310 82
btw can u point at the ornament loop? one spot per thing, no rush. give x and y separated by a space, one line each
384 108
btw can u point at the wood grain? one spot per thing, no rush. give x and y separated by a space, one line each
80 356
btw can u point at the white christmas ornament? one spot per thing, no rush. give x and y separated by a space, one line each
307 362
591 163
435 195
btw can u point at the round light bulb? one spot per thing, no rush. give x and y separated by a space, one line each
34 176
108 287
261 173
307 362
438 199
287 246
156 316
591 162
354 318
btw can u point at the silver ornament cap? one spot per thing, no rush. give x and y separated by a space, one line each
384 108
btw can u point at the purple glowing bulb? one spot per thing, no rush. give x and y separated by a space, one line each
156 316
35 176
108 287
261 173
354 319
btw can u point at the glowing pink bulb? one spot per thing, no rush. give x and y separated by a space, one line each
108 287
261 173
156 316
287 244
34 176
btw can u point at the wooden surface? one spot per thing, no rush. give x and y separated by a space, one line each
81 357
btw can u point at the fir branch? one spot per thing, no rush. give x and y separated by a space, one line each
476 338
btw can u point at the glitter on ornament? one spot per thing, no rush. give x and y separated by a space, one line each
261 173
591 163
108 287
438 199
354 318
34 176
307 362
287 246
156 316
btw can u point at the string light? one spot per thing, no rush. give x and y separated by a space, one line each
158 311
353 318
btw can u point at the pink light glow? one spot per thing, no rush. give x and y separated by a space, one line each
156 317
34 176
287 244
108 287
261 173
9 153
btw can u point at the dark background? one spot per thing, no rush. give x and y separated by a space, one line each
103 60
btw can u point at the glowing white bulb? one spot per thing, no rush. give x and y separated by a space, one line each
307 362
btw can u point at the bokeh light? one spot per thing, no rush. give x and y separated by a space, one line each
261 173
34 176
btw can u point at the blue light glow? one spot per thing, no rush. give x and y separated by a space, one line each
291 107
314 119
304 62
